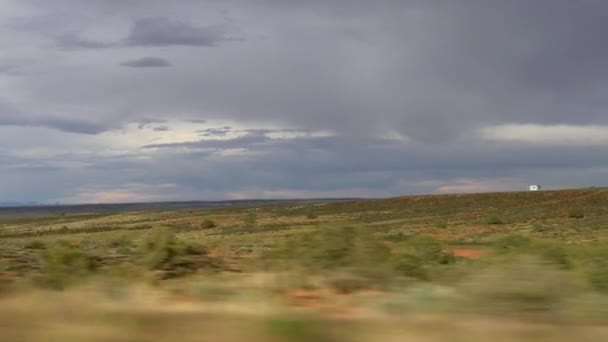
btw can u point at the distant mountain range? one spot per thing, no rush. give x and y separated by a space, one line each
33 208
17 204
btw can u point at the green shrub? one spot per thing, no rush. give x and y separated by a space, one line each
334 249
576 213
36 244
554 254
311 215
162 250
251 219
428 249
521 284
208 224
494 220
158 248
64 265
410 266
398 237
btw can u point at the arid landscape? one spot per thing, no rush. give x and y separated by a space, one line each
303 170
529 266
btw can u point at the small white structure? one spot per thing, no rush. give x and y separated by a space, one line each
534 187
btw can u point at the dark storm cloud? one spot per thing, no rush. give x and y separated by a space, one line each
379 165
66 125
347 154
501 61
165 32
432 71
147 62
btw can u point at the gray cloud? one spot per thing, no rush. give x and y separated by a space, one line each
11 70
161 128
142 123
433 71
164 32
74 42
150 32
147 62
66 125
316 165
217 131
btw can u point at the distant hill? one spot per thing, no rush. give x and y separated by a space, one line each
10 204
17 209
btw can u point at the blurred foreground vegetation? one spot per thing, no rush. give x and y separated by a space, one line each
506 266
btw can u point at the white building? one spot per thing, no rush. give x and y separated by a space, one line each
534 187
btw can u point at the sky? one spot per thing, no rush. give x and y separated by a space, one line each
153 100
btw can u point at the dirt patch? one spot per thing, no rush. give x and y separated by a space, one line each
472 253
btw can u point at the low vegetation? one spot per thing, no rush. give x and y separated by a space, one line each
498 256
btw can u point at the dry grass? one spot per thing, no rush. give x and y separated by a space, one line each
245 297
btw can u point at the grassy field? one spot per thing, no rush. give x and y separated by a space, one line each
507 266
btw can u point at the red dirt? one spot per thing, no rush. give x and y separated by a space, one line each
471 253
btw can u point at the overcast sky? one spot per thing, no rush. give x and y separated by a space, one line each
149 100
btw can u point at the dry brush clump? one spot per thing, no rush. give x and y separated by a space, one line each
65 264
173 257
352 259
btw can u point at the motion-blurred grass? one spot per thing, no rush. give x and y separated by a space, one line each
506 267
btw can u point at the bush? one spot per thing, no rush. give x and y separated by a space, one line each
311 214
554 254
251 219
36 244
208 224
427 249
523 284
576 213
410 266
65 264
398 237
334 250
163 251
494 220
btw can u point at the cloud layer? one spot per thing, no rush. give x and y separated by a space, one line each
300 97
147 62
